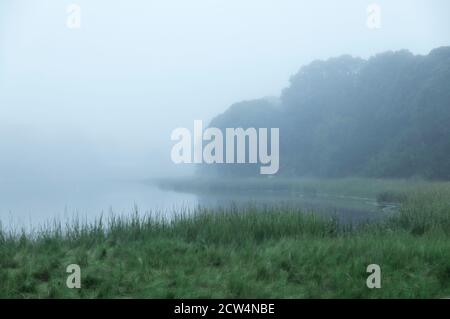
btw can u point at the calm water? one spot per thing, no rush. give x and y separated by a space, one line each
32 204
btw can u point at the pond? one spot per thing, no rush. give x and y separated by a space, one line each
30 204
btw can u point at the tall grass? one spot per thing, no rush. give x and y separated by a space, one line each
252 252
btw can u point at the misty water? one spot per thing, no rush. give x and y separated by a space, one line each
30 205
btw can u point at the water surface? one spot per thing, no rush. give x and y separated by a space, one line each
31 204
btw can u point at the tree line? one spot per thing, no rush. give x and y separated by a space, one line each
388 116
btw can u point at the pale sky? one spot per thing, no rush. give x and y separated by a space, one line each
104 98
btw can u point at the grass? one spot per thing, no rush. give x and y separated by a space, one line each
251 253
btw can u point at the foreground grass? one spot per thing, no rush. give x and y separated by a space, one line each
256 253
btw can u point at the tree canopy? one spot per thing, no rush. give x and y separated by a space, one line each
388 116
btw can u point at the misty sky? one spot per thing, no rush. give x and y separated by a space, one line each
104 98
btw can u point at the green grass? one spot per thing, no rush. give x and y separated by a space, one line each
255 253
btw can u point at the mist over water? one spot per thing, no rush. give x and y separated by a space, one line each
31 206
86 114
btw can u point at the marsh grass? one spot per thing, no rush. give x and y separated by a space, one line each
236 253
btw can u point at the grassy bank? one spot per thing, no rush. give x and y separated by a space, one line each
391 190
268 253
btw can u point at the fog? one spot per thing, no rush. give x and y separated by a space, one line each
102 100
